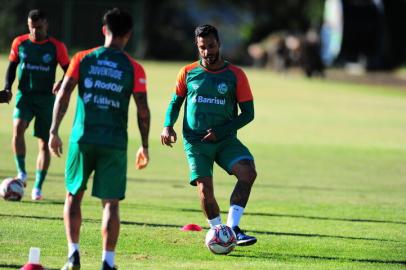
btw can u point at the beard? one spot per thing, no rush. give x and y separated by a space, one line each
212 58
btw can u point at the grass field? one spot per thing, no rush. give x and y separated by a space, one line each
330 192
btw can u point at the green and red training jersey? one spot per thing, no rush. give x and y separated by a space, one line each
38 61
211 97
107 78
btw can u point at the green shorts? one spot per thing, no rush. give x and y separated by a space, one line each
201 157
108 164
29 106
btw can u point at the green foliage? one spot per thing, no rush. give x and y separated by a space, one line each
330 192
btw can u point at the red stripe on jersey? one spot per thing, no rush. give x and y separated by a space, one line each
61 52
243 87
73 70
140 78
181 87
13 56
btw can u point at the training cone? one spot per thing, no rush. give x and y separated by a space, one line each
191 227
33 260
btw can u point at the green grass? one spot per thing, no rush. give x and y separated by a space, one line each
330 193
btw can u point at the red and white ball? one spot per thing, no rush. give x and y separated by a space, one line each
11 189
221 239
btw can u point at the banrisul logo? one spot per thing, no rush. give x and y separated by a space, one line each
88 82
222 88
46 58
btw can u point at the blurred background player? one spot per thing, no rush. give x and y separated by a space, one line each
213 88
107 77
36 55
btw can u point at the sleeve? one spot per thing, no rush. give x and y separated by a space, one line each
181 88
73 70
243 87
62 54
140 78
13 56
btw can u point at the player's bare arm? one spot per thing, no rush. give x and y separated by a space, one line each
60 108
58 84
143 116
144 120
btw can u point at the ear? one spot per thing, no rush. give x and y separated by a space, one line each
104 30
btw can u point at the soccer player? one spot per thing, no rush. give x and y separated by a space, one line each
107 77
36 56
212 88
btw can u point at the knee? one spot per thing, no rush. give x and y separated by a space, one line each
248 175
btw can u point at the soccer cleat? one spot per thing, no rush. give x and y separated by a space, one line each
36 194
106 266
73 262
242 238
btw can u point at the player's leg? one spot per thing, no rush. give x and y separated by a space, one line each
236 159
79 165
43 161
109 184
208 201
246 174
110 231
22 116
72 216
200 157
42 110
19 148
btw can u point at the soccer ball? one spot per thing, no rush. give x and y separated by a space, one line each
11 189
221 239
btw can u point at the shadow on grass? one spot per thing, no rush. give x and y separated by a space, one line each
124 222
14 266
185 183
309 217
276 256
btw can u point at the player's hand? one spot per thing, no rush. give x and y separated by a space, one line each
142 158
5 96
168 136
56 87
210 136
55 145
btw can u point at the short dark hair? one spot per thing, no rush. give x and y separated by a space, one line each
206 30
36 14
119 22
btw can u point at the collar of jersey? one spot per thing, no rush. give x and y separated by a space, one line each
38 42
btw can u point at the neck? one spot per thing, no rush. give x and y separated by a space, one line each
114 43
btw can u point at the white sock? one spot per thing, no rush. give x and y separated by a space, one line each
234 215
215 221
22 176
72 247
108 257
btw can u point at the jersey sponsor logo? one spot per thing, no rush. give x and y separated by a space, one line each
142 81
222 88
107 63
87 97
195 86
106 72
104 102
101 101
88 82
47 58
35 67
205 100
